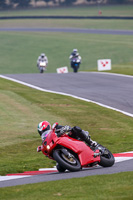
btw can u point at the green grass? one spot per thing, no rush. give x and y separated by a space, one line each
68 23
116 10
19 51
22 108
111 187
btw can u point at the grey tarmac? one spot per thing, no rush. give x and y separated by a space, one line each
71 30
105 88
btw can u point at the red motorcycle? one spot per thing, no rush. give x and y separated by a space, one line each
71 154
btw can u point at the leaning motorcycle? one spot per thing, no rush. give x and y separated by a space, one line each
72 154
75 64
42 66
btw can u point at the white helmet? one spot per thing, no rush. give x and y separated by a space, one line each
42 55
75 50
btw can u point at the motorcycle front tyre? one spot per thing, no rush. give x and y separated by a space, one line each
41 70
60 168
75 69
57 155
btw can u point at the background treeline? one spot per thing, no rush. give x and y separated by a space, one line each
4 4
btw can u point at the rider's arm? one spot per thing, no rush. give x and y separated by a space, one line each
46 59
70 57
60 130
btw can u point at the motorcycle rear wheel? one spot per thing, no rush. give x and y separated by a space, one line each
70 163
107 158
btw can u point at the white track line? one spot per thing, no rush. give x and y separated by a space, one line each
76 97
7 178
113 74
120 159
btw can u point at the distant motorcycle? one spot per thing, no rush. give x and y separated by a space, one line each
72 154
42 66
75 64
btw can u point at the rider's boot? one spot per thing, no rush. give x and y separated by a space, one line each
93 143
87 138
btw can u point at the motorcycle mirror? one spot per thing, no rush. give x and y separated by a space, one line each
54 125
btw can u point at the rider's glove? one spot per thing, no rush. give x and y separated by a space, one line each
63 130
38 148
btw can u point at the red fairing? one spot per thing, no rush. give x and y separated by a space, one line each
85 154
49 144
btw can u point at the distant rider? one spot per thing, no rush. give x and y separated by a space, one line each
76 132
42 58
73 55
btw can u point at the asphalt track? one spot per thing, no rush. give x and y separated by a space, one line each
109 90
72 30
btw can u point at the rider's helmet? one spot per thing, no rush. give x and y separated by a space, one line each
75 50
43 126
42 55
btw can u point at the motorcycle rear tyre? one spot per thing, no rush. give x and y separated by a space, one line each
62 162
107 162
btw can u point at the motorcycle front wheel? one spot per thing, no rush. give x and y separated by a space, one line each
60 168
75 69
106 158
67 161
41 70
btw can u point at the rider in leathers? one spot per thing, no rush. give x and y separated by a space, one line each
42 58
73 55
76 132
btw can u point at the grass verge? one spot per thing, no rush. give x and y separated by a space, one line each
67 23
111 187
20 51
107 10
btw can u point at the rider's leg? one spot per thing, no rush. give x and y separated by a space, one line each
83 135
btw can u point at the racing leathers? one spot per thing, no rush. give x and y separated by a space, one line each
42 59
